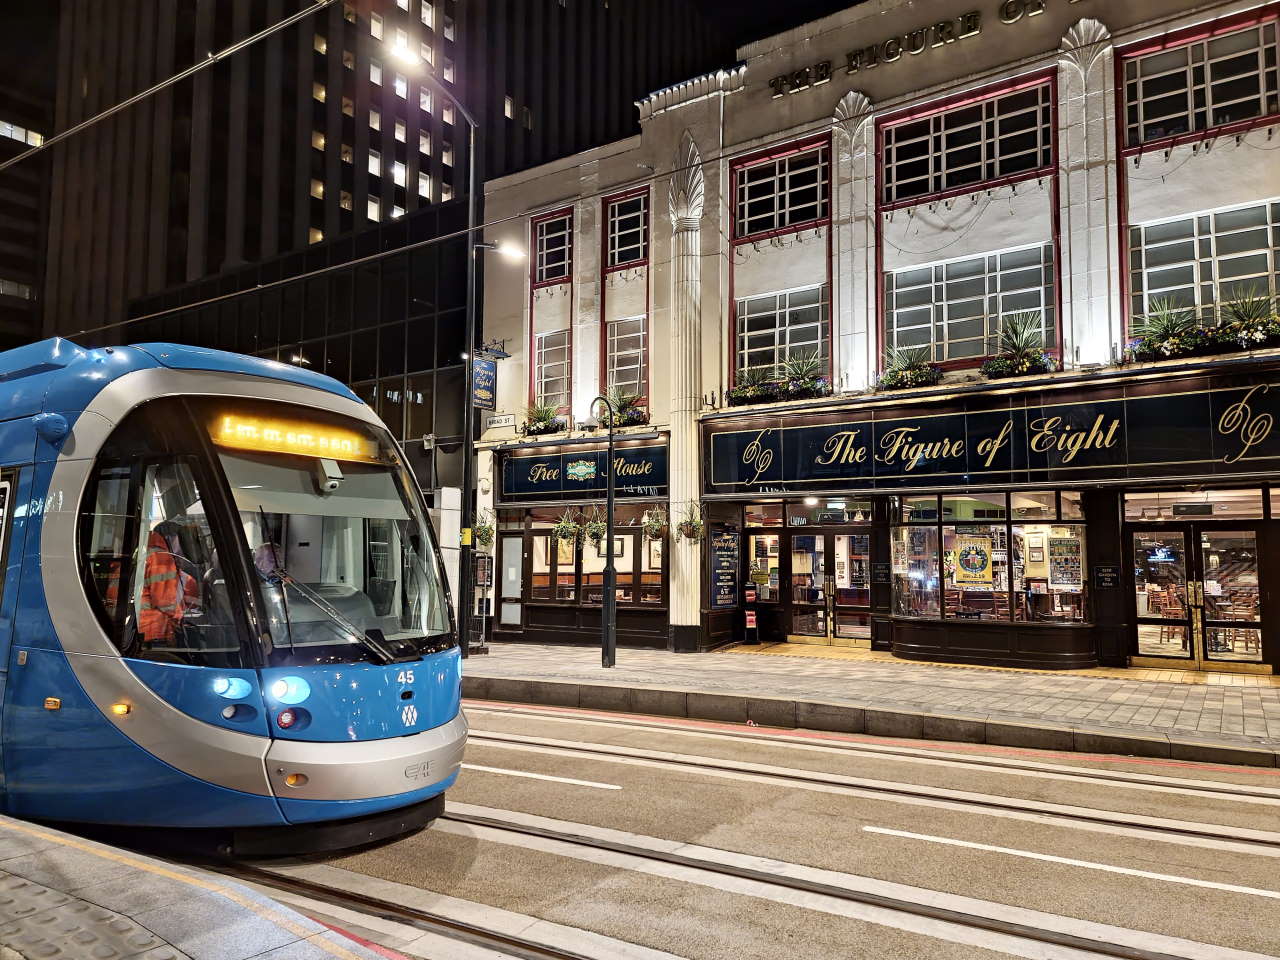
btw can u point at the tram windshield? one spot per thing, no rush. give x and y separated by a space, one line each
321 527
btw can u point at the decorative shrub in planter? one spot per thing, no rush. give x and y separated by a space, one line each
909 367
542 418
483 529
654 523
753 385
801 377
1248 323
1021 348
1168 331
691 523
630 411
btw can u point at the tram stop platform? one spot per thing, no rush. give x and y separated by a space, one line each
1210 718
67 898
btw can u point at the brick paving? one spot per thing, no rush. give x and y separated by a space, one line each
1138 707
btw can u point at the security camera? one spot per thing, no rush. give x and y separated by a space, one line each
328 475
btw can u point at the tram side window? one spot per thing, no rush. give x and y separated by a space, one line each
151 566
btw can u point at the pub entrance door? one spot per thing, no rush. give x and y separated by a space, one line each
1197 600
829 595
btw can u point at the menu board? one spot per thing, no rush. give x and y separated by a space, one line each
724 569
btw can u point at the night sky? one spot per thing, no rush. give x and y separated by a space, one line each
749 20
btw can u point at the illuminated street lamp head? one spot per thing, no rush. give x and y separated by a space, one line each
508 250
402 52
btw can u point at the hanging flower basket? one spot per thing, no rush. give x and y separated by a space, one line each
594 527
654 523
691 523
482 532
567 527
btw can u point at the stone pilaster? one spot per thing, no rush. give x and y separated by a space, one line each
854 271
685 561
1088 198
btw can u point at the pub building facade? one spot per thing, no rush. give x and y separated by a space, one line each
889 185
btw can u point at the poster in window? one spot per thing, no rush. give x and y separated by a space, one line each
653 555
1065 571
973 567
563 551
619 548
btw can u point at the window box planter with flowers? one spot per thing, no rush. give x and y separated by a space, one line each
908 367
1170 331
541 419
630 411
1022 350
796 378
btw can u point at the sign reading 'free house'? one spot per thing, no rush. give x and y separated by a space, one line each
1202 429
572 475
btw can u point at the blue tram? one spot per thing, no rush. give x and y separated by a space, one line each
221 603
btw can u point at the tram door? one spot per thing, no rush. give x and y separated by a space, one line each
830 588
1197 599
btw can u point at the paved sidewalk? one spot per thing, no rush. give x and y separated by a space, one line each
1233 724
66 898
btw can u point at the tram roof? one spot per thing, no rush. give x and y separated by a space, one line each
57 368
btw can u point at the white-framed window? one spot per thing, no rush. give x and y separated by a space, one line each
398 173
424 185
427 53
1206 259
448 72
317 91
508 107
402 40
553 245
320 44
446 154
375 25
402 87
446 114
428 13
424 143
783 192
375 163
402 4
1201 85
628 221
448 28
402 131
553 368
317 188
626 354
991 139
375 119
956 307
375 72
374 209
397 212
424 99
780 326
446 191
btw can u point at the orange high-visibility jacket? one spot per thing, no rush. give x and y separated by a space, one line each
165 591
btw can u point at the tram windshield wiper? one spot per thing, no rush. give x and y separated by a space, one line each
283 576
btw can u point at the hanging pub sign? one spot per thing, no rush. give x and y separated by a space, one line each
577 474
484 382
1196 427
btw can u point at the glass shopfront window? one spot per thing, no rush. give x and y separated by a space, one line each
990 556
1194 505
814 512
764 564
763 514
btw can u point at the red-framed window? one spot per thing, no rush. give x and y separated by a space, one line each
782 190
553 368
1204 81
967 144
552 261
627 356
626 219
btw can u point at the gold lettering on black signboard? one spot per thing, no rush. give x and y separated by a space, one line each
541 472
842 447
757 456
1241 420
621 468
1054 433
900 446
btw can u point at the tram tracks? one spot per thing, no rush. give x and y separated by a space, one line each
1242 839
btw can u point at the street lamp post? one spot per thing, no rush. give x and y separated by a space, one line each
609 604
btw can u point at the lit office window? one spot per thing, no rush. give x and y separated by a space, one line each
317 140
348 59
781 326
427 53
424 143
402 4
375 163
344 200
553 366
424 99
12 288
402 40
448 71
397 212
1205 84
402 87
446 154
628 221
998 137
349 12
508 107
375 72
402 132
627 364
315 235
320 44
448 28
398 173
553 242
348 107
317 188
783 192
34 139
446 114
317 91
446 191
428 13
957 308
1205 260
374 209
375 119
375 26
424 185
348 155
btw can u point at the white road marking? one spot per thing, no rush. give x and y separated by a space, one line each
542 776
1087 864
1234 839
826 903
997 763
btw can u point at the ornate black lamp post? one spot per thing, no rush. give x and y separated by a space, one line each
609 606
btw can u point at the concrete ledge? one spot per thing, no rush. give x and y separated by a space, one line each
874 721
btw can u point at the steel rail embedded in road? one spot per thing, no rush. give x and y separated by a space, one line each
1263 839
928 911
425 920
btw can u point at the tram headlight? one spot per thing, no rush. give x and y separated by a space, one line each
232 688
291 690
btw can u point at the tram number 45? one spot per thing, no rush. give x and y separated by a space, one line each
404 676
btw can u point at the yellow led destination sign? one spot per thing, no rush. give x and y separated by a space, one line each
293 436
